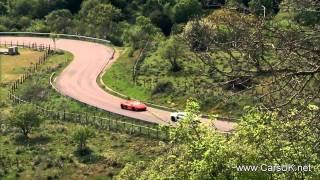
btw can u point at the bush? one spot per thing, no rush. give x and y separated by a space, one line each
163 87
26 118
34 92
80 136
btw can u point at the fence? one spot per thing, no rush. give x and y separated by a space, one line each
67 36
34 46
114 122
103 123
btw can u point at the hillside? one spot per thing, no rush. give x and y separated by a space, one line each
257 61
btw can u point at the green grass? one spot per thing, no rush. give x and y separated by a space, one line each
119 78
50 152
14 66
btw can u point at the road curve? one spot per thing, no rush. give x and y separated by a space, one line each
78 80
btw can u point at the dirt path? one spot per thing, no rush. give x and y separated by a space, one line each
78 80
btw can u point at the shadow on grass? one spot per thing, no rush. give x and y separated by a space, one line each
86 156
39 140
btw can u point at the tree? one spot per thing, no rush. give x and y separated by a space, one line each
197 151
185 9
23 22
142 33
26 118
3 8
103 18
257 54
38 26
23 7
304 12
59 21
173 49
54 38
162 21
81 136
43 8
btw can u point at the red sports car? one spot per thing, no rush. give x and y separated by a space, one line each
133 105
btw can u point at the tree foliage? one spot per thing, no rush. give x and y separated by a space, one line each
26 118
59 21
186 9
142 33
173 50
254 53
81 136
197 151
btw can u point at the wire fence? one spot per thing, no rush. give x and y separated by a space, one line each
112 121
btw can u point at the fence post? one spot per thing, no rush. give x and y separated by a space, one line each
158 133
79 118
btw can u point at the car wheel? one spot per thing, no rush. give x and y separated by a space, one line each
173 119
122 107
133 109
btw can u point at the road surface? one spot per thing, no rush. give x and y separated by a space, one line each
79 79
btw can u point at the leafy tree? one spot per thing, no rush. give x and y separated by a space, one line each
173 49
23 7
59 21
54 38
142 33
43 8
103 18
81 136
304 12
197 151
3 8
86 6
38 26
23 22
162 21
186 9
26 118
250 53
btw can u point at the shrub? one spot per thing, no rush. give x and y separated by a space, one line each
80 136
34 92
163 87
25 117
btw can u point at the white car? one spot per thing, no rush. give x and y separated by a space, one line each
176 116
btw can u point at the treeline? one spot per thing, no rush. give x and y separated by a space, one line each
110 19
107 19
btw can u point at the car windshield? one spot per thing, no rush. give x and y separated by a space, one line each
136 103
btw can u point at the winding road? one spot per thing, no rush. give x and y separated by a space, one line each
79 79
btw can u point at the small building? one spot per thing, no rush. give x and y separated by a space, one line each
13 50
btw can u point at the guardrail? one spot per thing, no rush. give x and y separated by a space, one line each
68 36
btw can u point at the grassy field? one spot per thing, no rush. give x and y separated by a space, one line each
119 78
50 153
14 66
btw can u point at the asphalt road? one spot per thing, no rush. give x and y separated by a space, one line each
79 79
